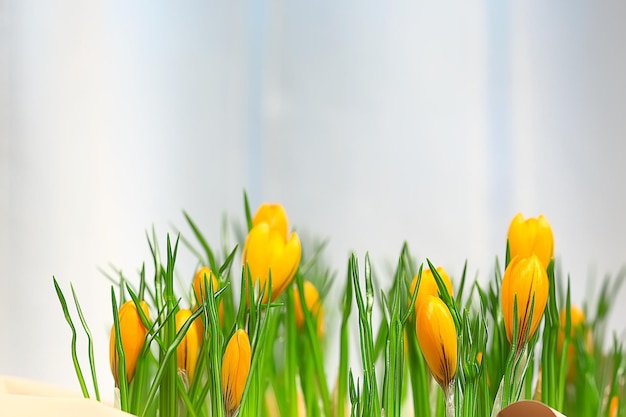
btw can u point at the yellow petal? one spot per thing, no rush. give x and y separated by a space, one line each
428 285
188 349
264 251
531 236
133 334
524 278
313 303
275 216
202 278
437 338
235 369
613 406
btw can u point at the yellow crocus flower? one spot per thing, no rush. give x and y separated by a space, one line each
531 236
437 338
577 317
188 349
235 369
200 288
267 250
525 278
133 334
313 303
428 286
613 406
273 214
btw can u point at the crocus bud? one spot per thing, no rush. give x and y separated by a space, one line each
577 320
531 236
274 215
524 278
577 323
188 349
267 250
235 369
133 334
428 285
613 406
201 281
437 338
313 303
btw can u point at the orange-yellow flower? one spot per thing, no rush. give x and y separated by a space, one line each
188 349
437 338
133 334
313 303
268 250
524 278
577 318
235 369
273 214
428 286
203 278
531 236
613 406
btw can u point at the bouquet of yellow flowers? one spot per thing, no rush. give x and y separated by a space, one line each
250 340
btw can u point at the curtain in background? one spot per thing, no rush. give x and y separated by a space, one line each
372 123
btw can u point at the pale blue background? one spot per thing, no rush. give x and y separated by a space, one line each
372 122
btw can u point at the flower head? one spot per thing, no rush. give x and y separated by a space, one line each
188 349
201 282
437 338
525 279
268 251
133 334
531 236
313 303
428 285
613 406
235 369
577 324
274 215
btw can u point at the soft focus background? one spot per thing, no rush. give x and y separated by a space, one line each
372 122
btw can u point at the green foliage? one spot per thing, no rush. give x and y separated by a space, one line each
288 371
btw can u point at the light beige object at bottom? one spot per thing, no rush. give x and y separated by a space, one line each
24 398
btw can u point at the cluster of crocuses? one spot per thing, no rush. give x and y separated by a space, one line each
270 255
524 295
209 354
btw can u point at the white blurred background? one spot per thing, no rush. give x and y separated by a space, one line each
373 123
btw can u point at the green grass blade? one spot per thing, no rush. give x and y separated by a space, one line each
92 363
68 318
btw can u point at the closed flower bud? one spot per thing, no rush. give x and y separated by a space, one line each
201 281
577 323
235 369
133 334
577 320
188 349
428 286
267 250
437 338
531 236
274 215
524 278
313 303
613 406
